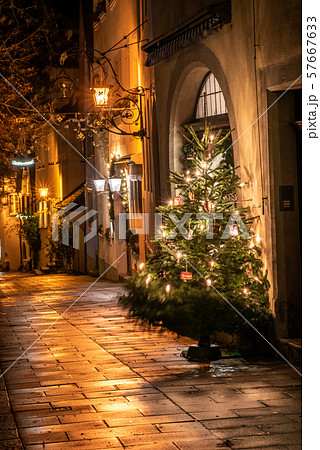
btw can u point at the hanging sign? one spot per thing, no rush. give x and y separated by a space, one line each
186 276
177 201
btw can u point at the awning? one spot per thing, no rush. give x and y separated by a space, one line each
76 196
212 19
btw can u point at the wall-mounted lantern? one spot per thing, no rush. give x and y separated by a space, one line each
99 185
23 162
100 96
43 192
116 109
115 184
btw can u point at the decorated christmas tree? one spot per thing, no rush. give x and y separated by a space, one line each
205 275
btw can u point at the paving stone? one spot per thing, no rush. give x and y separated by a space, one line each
98 380
44 438
11 444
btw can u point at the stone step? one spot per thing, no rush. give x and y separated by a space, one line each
292 350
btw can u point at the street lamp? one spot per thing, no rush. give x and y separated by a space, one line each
43 192
115 184
23 162
99 185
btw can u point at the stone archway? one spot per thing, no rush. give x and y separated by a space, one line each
188 74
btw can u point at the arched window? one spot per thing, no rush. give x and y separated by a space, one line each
216 108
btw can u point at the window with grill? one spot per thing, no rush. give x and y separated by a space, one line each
212 93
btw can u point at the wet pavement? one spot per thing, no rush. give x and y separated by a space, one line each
96 380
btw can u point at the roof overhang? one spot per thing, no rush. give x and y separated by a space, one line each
208 21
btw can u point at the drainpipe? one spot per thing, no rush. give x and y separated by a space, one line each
255 45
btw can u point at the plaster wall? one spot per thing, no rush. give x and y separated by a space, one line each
259 50
9 240
128 63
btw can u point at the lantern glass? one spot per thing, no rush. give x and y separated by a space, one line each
101 96
115 184
99 185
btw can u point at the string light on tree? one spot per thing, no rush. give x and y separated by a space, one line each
222 261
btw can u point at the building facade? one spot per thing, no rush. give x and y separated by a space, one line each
253 49
237 62
250 52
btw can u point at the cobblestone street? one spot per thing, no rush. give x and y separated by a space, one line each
96 380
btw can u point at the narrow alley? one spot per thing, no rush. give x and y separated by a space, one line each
97 380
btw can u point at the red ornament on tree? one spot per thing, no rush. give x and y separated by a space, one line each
186 276
177 201
207 206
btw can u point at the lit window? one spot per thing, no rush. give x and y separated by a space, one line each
14 204
216 104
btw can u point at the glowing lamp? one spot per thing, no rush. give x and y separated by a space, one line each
100 96
21 163
234 231
99 185
43 192
115 184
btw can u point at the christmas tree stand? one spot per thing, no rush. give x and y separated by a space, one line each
204 351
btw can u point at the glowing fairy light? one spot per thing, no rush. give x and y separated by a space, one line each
209 282
149 278
168 288
212 263
188 179
171 203
258 238
201 227
246 291
141 266
242 184
179 255
233 230
197 172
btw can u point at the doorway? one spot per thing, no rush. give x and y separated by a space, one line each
285 146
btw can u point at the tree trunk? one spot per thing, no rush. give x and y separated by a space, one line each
204 340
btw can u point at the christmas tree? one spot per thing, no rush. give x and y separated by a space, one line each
205 275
